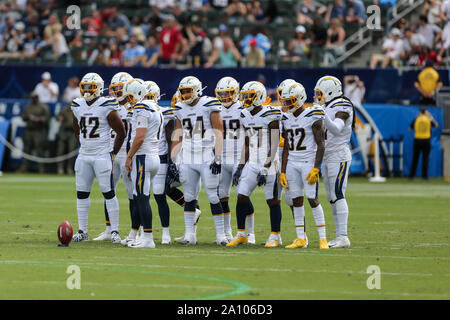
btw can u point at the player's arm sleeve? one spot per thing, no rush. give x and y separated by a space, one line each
334 126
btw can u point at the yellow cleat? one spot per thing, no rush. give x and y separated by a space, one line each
323 244
272 244
298 243
237 241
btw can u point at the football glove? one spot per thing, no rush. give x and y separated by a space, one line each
262 176
313 176
173 175
237 176
216 166
283 180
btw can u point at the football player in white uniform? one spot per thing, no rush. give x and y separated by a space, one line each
227 92
339 122
304 146
200 136
142 158
116 91
260 165
94 117
159 182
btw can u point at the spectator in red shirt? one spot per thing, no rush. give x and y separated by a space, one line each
115 57
170 42
94 23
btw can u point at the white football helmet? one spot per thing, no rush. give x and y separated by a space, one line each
153 92
285 83
117 83
134 91
326 89
227 91
91 86
293 97
253 94
190 88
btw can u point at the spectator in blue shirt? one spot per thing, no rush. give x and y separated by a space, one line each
151 52
335 10
134 55
355 12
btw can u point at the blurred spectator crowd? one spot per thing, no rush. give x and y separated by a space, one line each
226 33
413 44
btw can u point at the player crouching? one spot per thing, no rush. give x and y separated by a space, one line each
304 146
259 166
142 159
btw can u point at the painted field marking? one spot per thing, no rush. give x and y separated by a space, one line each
238 287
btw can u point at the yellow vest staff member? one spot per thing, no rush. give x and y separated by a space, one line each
422 141
428 84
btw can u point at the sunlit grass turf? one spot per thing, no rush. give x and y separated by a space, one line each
401 226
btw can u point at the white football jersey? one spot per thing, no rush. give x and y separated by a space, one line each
168 116
233 133
123 113
336 147
257 128
299 133
198 136
147 114
95 131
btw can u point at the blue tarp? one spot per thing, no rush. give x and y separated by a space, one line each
4 125
395 119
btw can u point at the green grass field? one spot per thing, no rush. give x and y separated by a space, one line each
401 226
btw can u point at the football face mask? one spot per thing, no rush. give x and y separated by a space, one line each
290 104
247 98
318 96
225 96
116 90
88 90
186 94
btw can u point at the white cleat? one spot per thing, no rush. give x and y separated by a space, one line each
180 238
229 236
142 243
80 236
166 239
104 236
189 239
222 240
251 238
340 242
115 237
126 241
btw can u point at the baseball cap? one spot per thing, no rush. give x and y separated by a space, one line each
300 29
396 32
253 42
46 76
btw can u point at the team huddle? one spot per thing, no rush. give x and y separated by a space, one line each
236 138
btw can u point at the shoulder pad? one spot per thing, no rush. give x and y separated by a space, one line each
74 103
167 111
315 112
109 102
212 102
142 106
176 107
284 117
271 112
